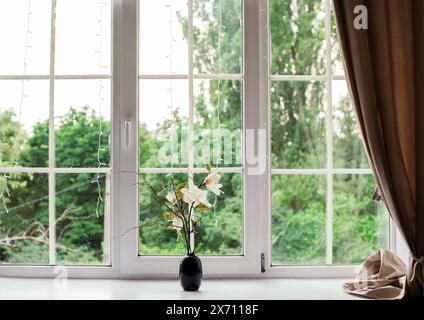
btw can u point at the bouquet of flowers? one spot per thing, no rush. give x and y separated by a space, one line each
183 198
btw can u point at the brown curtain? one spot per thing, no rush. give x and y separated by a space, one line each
384 68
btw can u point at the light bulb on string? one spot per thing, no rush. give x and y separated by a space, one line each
218 106
169 6
99 36
4 192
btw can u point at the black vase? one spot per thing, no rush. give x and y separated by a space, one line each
191 272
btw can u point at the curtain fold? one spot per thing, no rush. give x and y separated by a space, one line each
384 72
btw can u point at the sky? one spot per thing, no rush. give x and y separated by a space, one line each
79 47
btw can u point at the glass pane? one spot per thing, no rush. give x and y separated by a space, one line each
83 37
349 150
14 17
298 219
217 36
24 114
163 123
218 123
360 224
163 37
298 125
155 238
297 37
221 231
336 57
24 218
82 212
79 106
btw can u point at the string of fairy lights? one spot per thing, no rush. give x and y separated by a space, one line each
101 87
4 179
219 102
171 71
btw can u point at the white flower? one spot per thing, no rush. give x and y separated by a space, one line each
177 223
171 198
194 196
212 182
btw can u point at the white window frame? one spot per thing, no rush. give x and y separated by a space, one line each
306 271
52 270
125 259
132 262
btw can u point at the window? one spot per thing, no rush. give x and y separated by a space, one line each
55 113
183 98
155 88
322 211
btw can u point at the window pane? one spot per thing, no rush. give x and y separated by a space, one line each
163 129
221 232
217 50
14 24
298 219
81 215
336 56
24 123
297 37
360 224
218 112
24 218
163 37
79 106
155 238
349 151
298 125
83 37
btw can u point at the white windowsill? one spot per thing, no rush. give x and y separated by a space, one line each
247 289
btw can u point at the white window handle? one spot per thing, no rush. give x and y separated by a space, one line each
127 133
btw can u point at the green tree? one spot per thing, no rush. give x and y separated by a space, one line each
79 230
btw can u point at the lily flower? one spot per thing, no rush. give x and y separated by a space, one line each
212 182
195 196
177 224
171 198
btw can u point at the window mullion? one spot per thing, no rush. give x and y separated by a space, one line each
253 172
265 122
52 157
125 128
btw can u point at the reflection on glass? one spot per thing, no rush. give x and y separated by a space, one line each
298 219
81 237
360 224
24 219
297 37
221 232
298 125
